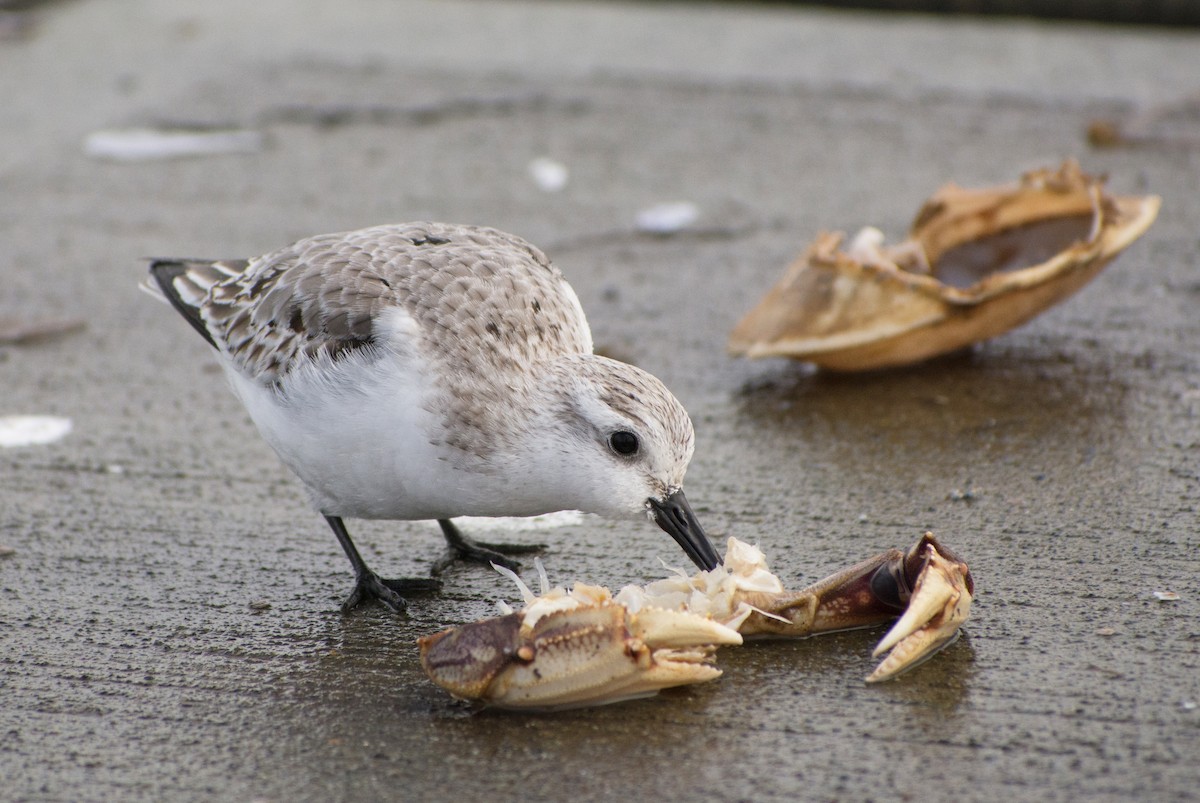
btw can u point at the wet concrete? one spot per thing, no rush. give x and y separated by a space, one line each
168 612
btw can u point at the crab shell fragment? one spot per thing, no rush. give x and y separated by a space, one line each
977 263
573 649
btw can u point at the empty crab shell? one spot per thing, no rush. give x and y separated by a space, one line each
977 263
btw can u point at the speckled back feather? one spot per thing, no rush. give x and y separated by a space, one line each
499 300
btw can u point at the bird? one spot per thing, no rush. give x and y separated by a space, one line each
427 371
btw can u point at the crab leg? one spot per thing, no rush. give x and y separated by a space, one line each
928 588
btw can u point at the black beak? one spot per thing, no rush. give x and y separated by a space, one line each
675 515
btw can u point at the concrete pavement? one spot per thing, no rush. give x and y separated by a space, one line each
168 613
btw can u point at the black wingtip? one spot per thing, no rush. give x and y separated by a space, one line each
164 272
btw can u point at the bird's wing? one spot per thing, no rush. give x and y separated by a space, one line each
460 294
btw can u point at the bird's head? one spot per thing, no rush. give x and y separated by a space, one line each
627 441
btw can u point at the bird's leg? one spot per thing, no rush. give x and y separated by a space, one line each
368 585
459 547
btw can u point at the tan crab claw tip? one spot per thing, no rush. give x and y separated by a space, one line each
976 264
676 629
908 656
940 604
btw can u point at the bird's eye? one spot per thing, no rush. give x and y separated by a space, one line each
623 442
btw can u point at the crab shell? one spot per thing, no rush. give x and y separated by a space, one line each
977 263
583 646
562 652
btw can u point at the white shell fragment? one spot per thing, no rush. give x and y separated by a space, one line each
548 175
32 430
146 144
976 264
667 218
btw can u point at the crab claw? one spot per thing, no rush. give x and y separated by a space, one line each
591 654
928 588
940 603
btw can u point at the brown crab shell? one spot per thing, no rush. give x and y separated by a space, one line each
992 259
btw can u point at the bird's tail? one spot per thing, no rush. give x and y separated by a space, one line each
185 284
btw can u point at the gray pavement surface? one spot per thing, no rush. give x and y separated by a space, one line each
169 625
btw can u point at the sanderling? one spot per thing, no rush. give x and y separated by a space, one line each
428 371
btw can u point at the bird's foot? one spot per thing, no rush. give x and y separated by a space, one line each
460 547
390 592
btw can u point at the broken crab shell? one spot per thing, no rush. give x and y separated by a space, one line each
977 263
584 646
568 656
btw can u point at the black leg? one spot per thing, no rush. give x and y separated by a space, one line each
368 585
459 547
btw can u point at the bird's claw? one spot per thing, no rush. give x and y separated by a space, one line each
389 591
478 552
461 548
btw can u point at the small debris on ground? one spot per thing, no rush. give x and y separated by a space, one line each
32 430
145 144
548 175
21 333
1166 596
667 218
